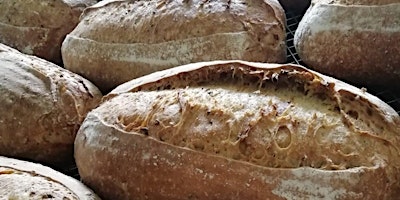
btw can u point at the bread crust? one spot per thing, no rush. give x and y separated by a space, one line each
42 107
38 28
123 132
352 40
120 40
62 183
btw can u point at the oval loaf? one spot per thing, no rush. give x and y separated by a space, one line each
42 106
240 130
39 27
357 40
26 180
119 40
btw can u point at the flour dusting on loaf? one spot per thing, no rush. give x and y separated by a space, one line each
15 184
42 107
187 49
39 27
376 21
20 180
128 39
258 129
352 40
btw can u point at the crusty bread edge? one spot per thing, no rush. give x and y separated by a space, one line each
78 188
276 183
98 149
130 86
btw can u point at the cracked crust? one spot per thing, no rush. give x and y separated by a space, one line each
120 40
26 180
354 40
43 106
39 27
240 130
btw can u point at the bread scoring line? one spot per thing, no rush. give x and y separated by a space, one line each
187 48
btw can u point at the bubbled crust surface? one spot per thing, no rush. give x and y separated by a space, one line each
352 40
251 130
128 39
42 107
39 27
26 180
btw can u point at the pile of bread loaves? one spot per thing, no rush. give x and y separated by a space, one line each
191 99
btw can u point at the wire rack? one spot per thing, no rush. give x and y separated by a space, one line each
390 97
71 170
292 21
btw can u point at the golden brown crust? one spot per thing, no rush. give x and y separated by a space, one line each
43 106
39 27
240 130
156 170
120 40
352 40
27 180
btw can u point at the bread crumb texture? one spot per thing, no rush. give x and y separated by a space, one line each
271 131
19 185
279 119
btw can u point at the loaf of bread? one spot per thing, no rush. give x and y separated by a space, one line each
20 180
119 40
240 130
42 106
39 27
357 40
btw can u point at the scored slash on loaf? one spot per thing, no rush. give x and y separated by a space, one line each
39 27
240 130
117 41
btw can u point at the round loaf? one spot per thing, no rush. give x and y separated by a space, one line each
240 130
39 27
42 106
26 180
357 41
119 40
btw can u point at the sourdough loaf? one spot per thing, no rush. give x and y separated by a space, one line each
356 40
39 27
20 180
121 39
240 130
41 106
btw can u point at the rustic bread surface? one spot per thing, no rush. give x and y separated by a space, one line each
26 180
42 106
39 27
240 130
353 40
119 40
